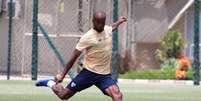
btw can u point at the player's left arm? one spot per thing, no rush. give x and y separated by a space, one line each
118 22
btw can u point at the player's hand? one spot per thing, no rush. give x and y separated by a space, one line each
59 78
122 19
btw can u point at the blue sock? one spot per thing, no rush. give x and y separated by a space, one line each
46 83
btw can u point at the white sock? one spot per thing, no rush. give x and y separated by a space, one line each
51 83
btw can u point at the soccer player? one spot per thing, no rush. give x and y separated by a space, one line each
97 44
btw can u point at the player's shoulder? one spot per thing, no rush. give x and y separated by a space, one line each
108 28
88 34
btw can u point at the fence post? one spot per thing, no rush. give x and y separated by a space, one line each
196 62
115 63
71 73
10 10
34 62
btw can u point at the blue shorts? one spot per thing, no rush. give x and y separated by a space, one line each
87 78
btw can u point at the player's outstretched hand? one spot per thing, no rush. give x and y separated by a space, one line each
59 78
122 19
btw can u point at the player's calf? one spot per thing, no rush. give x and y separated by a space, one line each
114 93
58 89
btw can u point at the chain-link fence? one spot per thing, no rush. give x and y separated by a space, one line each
62 20
66 21
17 36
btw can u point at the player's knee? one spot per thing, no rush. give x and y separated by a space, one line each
65 94
118 96
121 95
62 96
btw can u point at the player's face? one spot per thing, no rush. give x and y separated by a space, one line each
99 24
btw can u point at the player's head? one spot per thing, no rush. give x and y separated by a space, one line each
99 21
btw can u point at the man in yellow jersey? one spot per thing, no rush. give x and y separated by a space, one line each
97 43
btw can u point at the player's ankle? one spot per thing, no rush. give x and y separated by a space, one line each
51 83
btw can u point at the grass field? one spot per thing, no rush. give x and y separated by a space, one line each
26 91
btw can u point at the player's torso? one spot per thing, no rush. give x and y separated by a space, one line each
98 56
102 43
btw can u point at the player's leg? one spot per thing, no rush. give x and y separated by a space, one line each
58 89
114 92
61 92
82 81
109 87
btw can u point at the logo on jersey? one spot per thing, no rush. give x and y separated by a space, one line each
99 40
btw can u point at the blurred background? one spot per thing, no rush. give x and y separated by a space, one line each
151 44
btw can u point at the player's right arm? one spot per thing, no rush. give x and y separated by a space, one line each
83 44
73 58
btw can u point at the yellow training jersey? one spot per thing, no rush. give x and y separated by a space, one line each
98 48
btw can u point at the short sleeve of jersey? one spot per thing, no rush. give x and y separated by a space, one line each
83 43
